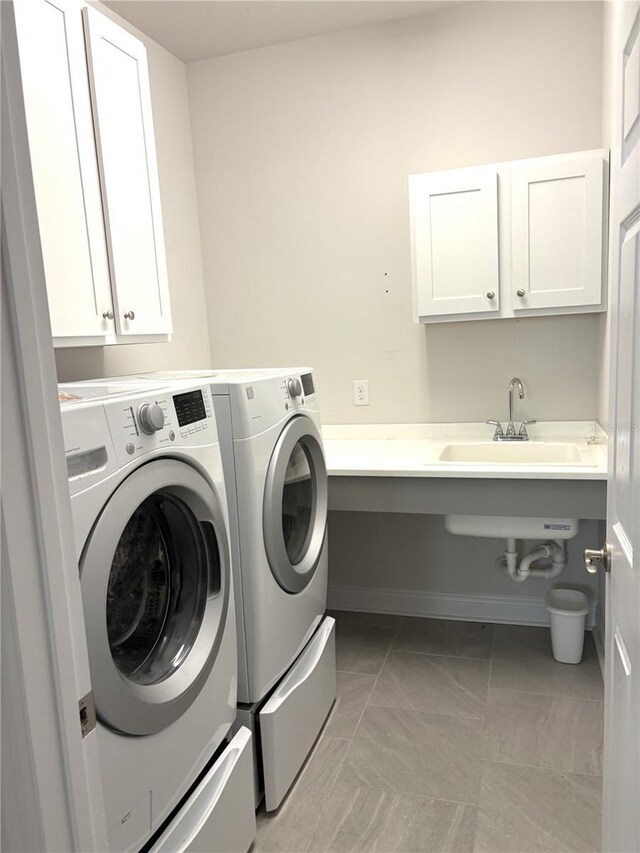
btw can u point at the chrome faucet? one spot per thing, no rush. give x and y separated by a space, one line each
511 434
515 383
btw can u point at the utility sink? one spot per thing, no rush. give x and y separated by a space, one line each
512 453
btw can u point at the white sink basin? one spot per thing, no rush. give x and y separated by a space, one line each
512 453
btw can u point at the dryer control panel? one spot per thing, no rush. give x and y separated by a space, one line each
297 389
259 403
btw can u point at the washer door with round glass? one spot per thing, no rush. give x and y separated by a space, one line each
155 588
295 505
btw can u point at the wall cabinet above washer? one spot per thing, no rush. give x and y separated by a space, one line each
92 147
525 238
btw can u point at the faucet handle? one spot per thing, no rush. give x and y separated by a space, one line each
498 427
523 427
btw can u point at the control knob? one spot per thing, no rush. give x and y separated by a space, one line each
294 388
150 417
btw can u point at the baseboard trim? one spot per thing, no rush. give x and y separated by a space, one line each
508 609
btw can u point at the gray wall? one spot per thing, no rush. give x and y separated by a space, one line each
189 346
414 553
302 153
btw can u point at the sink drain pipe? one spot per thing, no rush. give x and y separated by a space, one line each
556 551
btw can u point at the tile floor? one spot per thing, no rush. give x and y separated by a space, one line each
449 736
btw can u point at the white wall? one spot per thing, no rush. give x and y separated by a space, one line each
189 346
301 157
302 153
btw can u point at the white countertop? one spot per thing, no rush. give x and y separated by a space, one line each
413 450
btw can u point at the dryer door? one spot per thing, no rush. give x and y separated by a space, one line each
155 580
295 504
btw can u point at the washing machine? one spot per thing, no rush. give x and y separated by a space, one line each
152 537
272 452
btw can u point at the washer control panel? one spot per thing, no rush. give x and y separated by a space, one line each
161 420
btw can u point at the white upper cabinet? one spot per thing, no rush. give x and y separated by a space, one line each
95 175
65 171
454 239
512 239
557 232
119 80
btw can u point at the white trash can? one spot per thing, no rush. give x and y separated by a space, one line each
568 609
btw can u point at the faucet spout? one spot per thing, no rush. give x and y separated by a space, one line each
514 385
510 433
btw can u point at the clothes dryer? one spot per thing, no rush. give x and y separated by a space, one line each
152 537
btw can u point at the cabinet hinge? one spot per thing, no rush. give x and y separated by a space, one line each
87 708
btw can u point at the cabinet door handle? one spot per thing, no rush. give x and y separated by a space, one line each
129 315
491 294
520 292
107 315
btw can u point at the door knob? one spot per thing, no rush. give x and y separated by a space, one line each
129 315
593 559
520 293
491 294
107 315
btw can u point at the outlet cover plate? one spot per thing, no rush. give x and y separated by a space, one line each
360 392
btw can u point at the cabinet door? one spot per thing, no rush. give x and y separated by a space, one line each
557 210
119 81
65 171
454 234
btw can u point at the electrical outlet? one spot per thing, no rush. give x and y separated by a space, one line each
360 392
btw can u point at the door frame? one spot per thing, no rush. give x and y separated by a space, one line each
55 799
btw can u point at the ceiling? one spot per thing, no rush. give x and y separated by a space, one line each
203 29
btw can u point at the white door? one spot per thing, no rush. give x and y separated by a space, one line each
65 169
119 79
621 812
454 241
557 232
